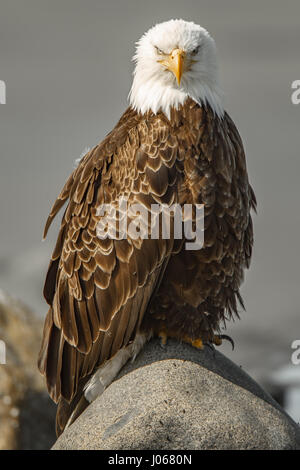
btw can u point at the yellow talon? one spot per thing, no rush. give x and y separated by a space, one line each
197 343
163 336
217 340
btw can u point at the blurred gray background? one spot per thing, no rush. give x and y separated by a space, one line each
67 67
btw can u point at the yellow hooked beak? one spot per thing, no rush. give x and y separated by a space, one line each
175 62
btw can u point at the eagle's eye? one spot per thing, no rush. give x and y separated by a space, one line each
196 50
159 51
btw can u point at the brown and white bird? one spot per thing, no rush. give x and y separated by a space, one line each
175 144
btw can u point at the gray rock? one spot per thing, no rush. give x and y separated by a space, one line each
182 398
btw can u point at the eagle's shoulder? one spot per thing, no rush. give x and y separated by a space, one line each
96 159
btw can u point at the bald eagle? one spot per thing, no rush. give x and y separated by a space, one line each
108 296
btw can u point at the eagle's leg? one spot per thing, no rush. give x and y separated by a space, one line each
107 372
163 338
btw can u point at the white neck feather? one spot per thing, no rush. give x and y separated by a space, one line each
153 95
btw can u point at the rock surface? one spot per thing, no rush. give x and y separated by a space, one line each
182 398
27 415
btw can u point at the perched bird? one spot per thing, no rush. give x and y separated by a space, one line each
174 144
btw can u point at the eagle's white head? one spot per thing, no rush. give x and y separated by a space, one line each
175 60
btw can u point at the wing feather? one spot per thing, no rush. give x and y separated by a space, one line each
99 289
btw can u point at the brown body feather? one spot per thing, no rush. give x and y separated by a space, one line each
102 292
